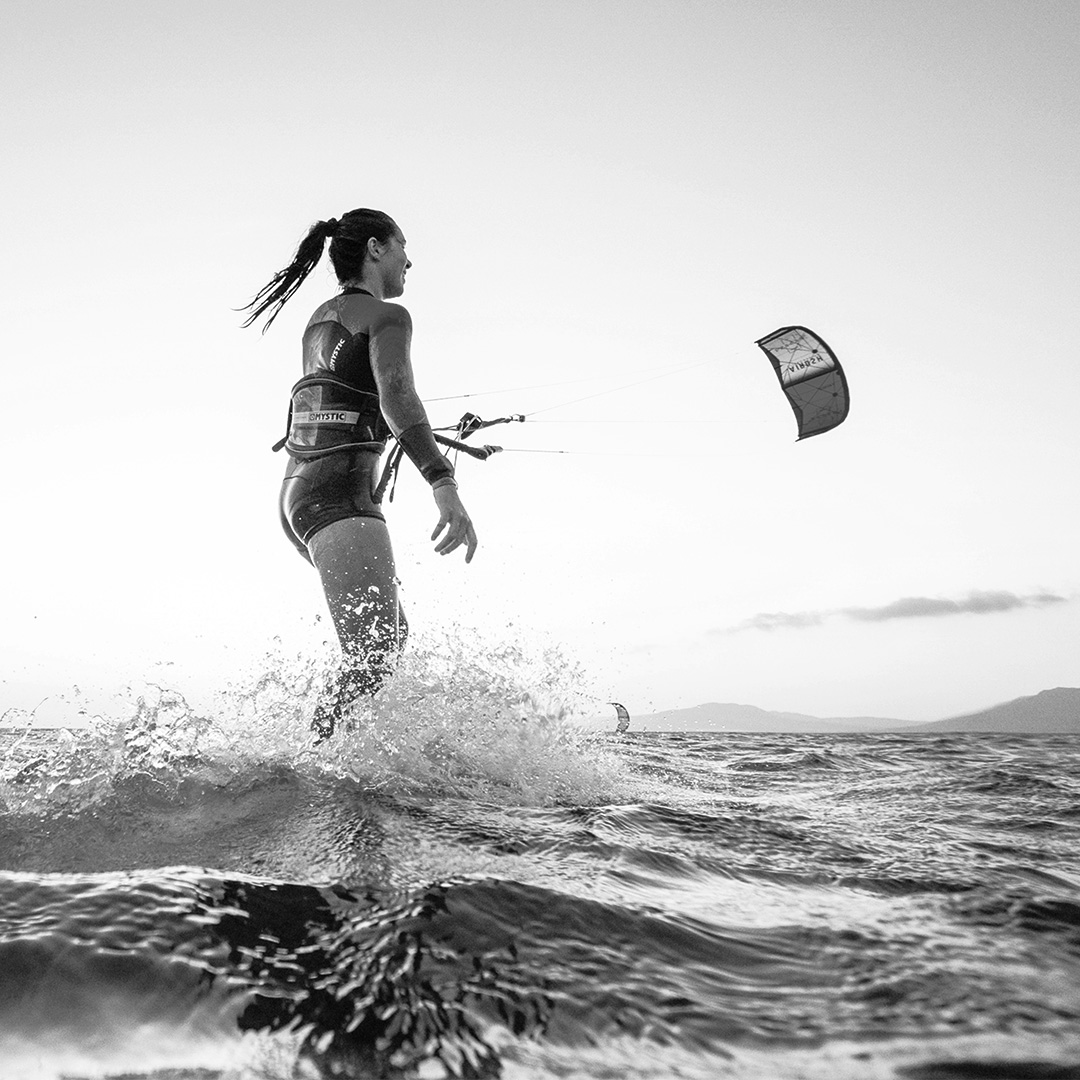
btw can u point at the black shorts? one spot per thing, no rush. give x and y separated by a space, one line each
318 492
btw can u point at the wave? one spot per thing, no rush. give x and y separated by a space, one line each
379 979
473 884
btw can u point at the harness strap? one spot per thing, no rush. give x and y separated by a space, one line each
389 473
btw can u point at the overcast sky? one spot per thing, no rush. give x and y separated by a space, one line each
598 191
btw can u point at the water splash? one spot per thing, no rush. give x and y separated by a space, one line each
498 723
496 720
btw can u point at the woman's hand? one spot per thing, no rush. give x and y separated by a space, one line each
454 518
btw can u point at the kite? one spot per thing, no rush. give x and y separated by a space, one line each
810 376
624 717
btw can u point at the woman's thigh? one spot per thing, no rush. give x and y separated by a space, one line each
356 564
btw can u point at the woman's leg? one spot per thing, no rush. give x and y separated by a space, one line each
356 564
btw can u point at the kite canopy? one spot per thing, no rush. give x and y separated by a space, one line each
624 716
811 377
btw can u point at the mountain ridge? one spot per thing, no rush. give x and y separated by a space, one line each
1055 711
1049 712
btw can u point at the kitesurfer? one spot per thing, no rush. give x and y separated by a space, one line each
357 390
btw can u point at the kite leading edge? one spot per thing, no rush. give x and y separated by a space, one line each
810 376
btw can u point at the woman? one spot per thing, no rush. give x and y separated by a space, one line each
357 390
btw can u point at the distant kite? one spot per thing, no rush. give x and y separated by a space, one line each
624 717
810 376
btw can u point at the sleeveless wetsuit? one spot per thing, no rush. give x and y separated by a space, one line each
336 484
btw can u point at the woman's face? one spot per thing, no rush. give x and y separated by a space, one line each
393 264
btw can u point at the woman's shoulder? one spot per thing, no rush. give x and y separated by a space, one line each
360 311
389 314
327 311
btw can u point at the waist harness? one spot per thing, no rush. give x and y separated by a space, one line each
328 415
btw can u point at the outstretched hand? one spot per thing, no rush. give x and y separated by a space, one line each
454 518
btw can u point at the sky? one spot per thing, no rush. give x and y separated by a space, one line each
608 201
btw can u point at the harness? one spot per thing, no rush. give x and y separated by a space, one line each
328 415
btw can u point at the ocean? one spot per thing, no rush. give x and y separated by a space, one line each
474 884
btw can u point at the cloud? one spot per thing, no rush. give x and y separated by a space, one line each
976 603
779 620
908 607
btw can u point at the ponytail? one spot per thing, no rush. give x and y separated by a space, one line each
285 282
348 249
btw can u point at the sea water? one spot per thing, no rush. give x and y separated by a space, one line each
474 884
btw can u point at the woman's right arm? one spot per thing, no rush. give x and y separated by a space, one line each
392 368
391 365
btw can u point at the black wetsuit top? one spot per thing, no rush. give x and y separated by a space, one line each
337 485
337 339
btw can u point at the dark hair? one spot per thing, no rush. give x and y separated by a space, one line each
348 249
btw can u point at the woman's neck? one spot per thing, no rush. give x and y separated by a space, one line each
372 288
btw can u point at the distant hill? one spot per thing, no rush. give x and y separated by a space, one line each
1050 712
716 716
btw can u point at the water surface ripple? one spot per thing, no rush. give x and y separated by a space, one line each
749 906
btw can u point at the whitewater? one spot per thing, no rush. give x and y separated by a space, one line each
475 883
